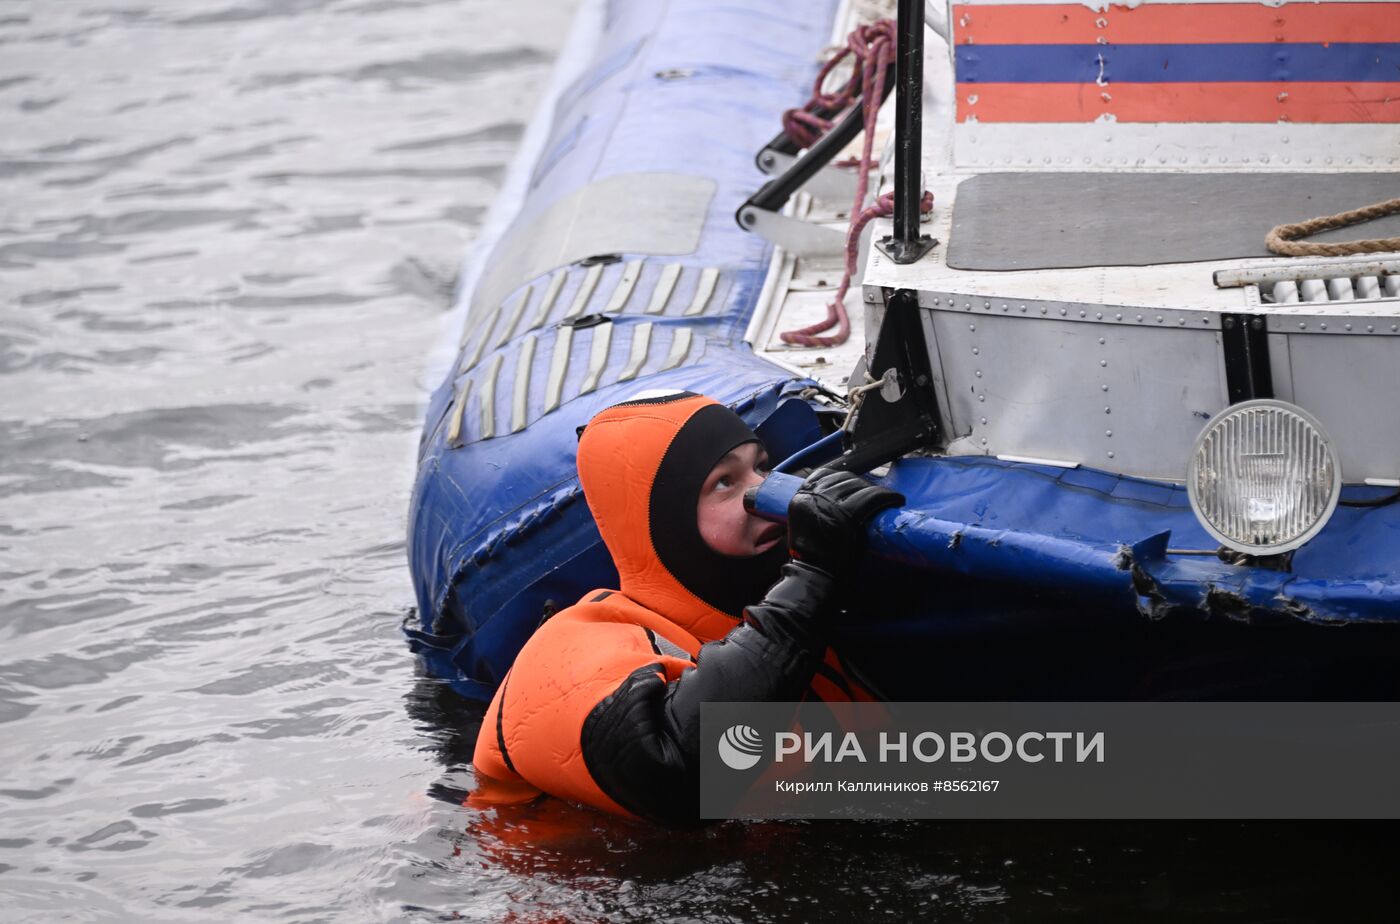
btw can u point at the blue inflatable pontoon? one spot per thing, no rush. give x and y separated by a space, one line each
1065 386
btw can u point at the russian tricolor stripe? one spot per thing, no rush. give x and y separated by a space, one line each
1178 62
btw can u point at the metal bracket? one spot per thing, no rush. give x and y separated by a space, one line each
1245 340
792 234
902 251
846 130
905 416
587 320
829 184
1298 270
1281 562
761 213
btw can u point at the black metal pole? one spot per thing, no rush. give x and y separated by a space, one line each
909 124
908 245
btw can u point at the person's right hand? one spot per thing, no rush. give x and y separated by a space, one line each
828 516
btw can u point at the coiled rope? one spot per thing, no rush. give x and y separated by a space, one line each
1284 239
873 48
804 125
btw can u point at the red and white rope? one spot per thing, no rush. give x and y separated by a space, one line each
873 48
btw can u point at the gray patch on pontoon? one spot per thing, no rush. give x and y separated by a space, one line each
602 217
597 357
585 291
556 282
641 342
558 366
665 285
1018 221
706 288
488 397
625 283
521 395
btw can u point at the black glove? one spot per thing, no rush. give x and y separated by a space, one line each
828 516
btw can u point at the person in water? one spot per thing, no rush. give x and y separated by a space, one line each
602 706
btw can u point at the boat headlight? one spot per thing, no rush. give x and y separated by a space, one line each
1264 477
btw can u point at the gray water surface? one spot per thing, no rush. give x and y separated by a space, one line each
229 232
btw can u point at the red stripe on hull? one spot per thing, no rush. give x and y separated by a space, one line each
1175 23
1180 102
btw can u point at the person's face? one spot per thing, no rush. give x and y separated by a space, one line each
724 524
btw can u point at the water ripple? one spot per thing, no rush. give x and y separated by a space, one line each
181 807
296 675
61 671
445 66
229 237
507 133
147 438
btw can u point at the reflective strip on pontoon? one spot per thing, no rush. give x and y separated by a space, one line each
641 342
706 288
665 285
680 347
454 429
488 397
556 282
519 398
585 291
558 365
625 284
597 357
516 310
485 334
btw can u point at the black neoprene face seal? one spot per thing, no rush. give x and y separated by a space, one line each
724 582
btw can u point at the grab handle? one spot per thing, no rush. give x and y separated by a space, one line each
770 500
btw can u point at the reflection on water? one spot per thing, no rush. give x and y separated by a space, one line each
228 238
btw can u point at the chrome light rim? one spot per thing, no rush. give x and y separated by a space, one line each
1275 548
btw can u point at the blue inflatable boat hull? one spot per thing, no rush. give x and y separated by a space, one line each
998 579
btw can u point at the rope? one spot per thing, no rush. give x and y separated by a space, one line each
1281 240
803 125
873 47
836 315
856 395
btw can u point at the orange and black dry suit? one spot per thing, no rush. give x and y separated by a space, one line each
602 706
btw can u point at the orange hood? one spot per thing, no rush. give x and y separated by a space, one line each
642 464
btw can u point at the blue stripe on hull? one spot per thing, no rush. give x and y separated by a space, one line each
1351 63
